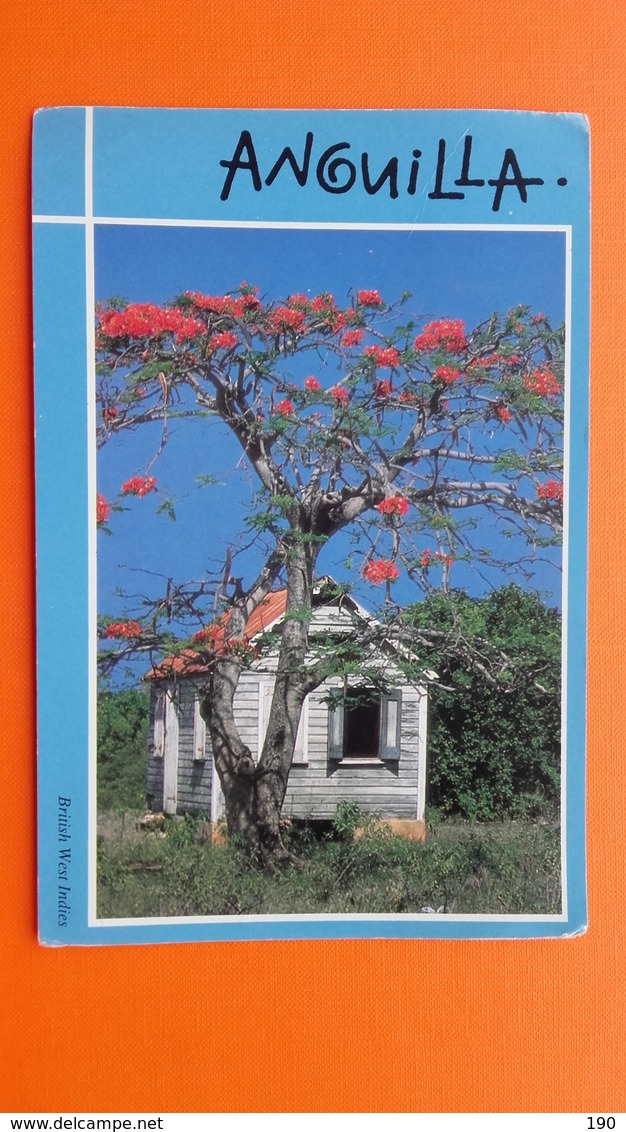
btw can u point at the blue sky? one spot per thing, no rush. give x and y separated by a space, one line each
455 274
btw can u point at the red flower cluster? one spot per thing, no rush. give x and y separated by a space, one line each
102 509
284 407
351 338
383 356
145 320
490 360
244 304
212 636
542 381
379 570
224 304
329 314
110 413
323 302
427 558
207 636
368 299
393 505
321 309
282 319
323 306
383 390
408 397
446 374
481 364
240 648
215 304
121 629
551 490
537 318
226 340
139 485
312 384
340 394
503 414
446 334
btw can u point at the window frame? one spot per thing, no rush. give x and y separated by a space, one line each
390 731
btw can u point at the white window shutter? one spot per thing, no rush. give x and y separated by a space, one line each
335 730
158 734
170 767
301 749
390 725
199 732
266 692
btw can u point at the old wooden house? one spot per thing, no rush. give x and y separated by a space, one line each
354 744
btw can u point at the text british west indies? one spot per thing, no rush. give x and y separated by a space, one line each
64 860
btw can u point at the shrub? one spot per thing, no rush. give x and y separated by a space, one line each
494 752
123 719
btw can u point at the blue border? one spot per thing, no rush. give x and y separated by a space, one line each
63 513
59 143
165 164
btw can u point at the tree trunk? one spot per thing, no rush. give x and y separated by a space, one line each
253 816
254 793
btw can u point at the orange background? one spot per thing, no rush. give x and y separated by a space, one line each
334 1026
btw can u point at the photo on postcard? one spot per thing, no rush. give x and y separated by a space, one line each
330 498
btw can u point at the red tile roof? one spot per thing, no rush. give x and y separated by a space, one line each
266 613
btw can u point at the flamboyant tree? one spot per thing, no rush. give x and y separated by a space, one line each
399 433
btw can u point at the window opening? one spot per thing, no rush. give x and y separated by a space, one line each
361 727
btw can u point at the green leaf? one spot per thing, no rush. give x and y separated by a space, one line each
166 507
208 480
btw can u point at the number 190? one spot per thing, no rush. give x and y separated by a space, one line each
599 1122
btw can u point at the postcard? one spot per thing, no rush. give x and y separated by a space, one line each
311 410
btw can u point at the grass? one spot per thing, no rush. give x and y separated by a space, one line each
463 867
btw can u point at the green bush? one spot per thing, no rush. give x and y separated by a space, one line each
347 818
123 719
494 751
